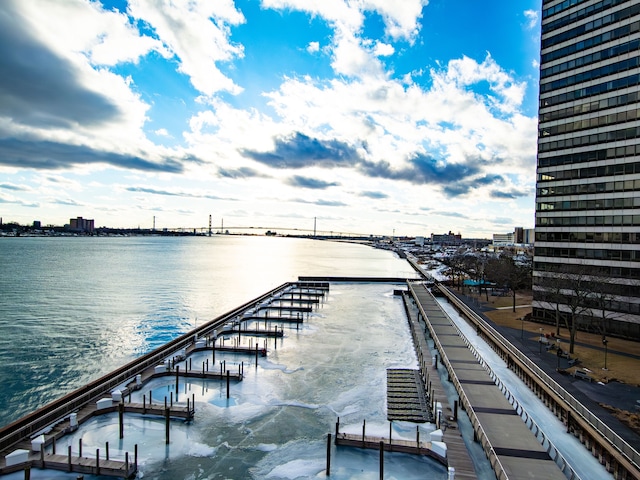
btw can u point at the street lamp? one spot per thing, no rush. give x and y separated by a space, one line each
604 342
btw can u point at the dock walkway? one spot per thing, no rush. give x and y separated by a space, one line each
457 454
512 449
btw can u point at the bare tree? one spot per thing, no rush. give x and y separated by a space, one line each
510 274
549 289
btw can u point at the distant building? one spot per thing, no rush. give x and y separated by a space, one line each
81 225
37 224
446 239
504 238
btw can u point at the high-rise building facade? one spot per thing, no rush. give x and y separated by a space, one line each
588 175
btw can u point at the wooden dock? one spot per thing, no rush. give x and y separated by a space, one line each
74 464
393 445
406 396
457 453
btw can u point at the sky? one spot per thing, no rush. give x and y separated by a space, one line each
377 117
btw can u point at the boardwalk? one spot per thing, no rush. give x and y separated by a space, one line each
457 453
512 449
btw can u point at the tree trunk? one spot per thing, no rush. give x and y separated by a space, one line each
514 301
572 332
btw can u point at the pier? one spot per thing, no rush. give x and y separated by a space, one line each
107 394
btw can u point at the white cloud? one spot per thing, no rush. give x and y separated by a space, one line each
353 55
313 47
197 32
383 50
162 132
532 18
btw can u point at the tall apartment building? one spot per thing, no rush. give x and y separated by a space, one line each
588 177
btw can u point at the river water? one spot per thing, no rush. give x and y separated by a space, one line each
73 309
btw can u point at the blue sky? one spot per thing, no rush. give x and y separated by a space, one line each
370 116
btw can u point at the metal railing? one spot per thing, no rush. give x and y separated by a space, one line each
577 408
489 451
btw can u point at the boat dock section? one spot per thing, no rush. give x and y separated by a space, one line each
67 413
406 399
512 449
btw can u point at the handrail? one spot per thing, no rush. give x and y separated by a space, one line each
57 410
497 466
631 454
514 402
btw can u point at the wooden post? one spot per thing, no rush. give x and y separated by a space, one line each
171 397
41 456
53 446
69 459
106 446
150 398
328 472
189 363
135 455
213 352
97 461
207 364
455 409
126 461
203 368
166 426
227 383
256 354
120 419
27 473
381 459
80 447
418 438
177 377
364 424
390 429
144 404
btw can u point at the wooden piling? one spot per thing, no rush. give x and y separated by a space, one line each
120 419
166 426
97 461
364 424
69 458
328 472
42 456
150 398
390 430
381 460
227 383
135 456
27 473
177 378
53 446
80 447
455 409
106 447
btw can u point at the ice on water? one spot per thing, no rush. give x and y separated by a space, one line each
276 421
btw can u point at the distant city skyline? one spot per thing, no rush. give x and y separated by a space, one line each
416 118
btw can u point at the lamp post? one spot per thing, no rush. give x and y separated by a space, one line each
604 342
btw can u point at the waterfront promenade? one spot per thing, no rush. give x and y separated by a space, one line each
513 451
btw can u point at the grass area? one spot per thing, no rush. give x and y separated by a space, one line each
620 368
